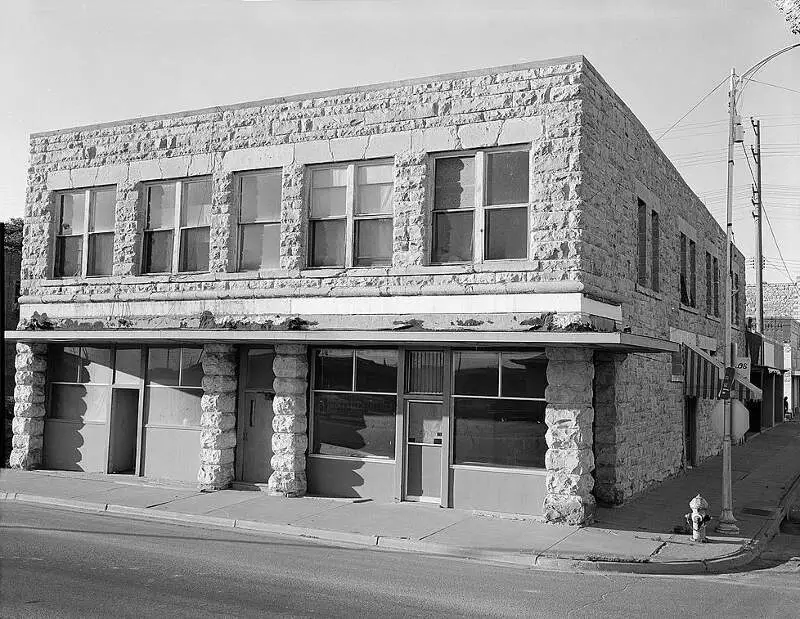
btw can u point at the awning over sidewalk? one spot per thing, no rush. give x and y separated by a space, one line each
615 342
702 377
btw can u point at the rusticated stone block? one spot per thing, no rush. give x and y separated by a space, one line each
217 436
569 459
289 440
29 409
293 227
220 257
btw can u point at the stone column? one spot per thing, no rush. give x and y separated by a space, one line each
293 221
289 424
410 224
128 226
28 424
221 258
569 417
218 434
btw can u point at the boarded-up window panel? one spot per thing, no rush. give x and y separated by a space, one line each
642 245
655 243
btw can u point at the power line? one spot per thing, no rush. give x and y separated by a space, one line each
777 246
775 86
694 107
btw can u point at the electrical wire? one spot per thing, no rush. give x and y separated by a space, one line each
694 107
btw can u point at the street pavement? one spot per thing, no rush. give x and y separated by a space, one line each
63 563
637 537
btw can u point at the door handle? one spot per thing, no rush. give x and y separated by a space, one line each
252 406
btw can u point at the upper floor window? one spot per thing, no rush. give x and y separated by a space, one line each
654 247
480 206
351 215
688 274
259 200
85 236
178 226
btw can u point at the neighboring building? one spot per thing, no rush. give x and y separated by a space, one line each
470 289
780 371
12 259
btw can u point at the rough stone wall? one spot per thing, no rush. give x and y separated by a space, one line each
537 104
289 423
709 443
780 300
29 410
569 416
638 425
218 422
791 10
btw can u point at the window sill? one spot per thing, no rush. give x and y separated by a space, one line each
689 309
649 292
713 318
676 378
500 469
352 458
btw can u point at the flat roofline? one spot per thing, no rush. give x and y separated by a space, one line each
618 342
324 93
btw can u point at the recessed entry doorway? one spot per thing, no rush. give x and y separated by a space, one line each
254 423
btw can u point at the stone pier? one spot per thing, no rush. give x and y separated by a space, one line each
218 434
569 417
289 424
29 409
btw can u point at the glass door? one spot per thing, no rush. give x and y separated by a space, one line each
423 451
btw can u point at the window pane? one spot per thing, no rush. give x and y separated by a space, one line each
507 177
452 237
171 406
128 366
191 367
194 249
328 243
261 247
65 361
80 402
476 373
376 371
161 206
101 214
425 371
68 256
259 368
373 242
101 254
455 183
506 233
524 375
354 424
196 209
163 365
261 197
499 432
158 251
425 422
334 370
95 366
328 192
71 209
374 189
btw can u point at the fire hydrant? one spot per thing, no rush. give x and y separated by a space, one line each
698 518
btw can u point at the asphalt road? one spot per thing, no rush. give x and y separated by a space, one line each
59 563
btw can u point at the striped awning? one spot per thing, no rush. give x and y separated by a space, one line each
702 377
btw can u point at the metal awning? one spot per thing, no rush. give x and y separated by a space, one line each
616 342
702 377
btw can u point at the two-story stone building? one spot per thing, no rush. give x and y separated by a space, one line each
468 289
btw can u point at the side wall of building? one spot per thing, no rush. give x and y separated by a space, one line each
640 426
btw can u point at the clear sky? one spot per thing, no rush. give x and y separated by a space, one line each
68 62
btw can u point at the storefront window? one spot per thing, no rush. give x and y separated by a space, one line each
174 387
80 377
355 402
499 408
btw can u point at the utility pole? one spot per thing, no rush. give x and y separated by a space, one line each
757 216
727 522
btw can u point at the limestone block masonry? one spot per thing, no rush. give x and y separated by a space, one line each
29 410
218 421
569 416
289 424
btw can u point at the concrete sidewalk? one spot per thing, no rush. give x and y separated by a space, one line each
637 537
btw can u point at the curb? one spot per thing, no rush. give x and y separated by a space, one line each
542 561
